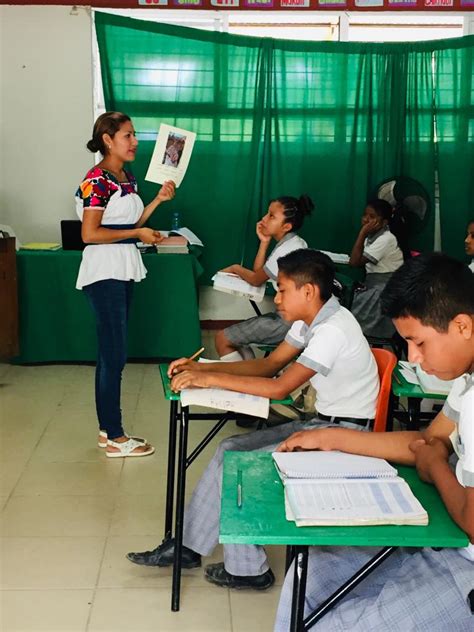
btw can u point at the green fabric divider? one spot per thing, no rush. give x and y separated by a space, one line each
57 323
279 117
261 518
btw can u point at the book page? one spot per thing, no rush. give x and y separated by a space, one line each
336 257
233 284
331 464
223 399
171 155
353 502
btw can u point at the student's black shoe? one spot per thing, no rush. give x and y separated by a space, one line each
216 574
163 555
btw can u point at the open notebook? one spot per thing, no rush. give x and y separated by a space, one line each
233 284
335 488
223 399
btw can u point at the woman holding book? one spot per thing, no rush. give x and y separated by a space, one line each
113 218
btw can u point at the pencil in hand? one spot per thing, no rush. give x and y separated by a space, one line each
195 355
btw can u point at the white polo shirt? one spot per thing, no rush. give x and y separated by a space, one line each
383 252
459 407
290 242
346 379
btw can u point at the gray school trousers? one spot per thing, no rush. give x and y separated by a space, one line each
202 515
414 590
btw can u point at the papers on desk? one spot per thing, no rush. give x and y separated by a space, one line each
336 257
431 384
233 284
334 488
223 399
190 237
40 245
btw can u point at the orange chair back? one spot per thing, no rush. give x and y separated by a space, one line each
386 362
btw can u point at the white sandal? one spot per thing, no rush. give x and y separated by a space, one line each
126 448
102 443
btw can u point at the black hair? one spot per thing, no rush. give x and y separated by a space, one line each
432 288
396 222
306 265
107 123
295 209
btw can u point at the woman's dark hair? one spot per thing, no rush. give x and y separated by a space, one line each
295 209
306 265
433 288
396 222
107 123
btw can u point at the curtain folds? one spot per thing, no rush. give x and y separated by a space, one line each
279 117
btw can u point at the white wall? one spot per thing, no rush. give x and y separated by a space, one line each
46 116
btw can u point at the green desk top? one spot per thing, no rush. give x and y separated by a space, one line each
169 394
261 519
57 323
402 388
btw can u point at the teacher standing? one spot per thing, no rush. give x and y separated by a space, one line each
112 215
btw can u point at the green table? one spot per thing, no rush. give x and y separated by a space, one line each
180 416
414 394
261 520
57 324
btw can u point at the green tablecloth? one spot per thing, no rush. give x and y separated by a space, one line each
57 324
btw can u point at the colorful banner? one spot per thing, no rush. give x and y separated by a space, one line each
294 4
258 4
369 3
400 4
337 4
153 3
439 3
225 4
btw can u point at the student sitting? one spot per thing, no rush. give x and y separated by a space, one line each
284 216
331 352
376 248
431 301
469 244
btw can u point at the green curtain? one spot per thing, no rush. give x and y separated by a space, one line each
274 117
455 134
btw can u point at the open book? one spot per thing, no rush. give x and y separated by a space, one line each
223 399
337 257
335 488
233 284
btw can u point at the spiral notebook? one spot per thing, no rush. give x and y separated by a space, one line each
331 464
336 489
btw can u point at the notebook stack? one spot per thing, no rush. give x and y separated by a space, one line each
173 245
335 488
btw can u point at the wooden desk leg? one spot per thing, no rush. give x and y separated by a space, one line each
173 422
299 589
178 528
346 588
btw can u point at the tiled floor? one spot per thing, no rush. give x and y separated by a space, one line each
69 515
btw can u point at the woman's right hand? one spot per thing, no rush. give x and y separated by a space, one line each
183 364
149 236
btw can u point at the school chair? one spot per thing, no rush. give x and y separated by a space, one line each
386 362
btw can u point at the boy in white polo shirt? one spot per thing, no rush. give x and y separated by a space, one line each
431 302
330 350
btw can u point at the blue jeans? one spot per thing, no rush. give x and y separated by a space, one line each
110 301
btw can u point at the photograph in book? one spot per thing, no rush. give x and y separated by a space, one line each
171 155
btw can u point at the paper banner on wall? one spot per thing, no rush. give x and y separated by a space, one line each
170 159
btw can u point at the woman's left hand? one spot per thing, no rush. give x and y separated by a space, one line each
167 191
189 378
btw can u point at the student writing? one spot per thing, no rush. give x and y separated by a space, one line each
329 349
